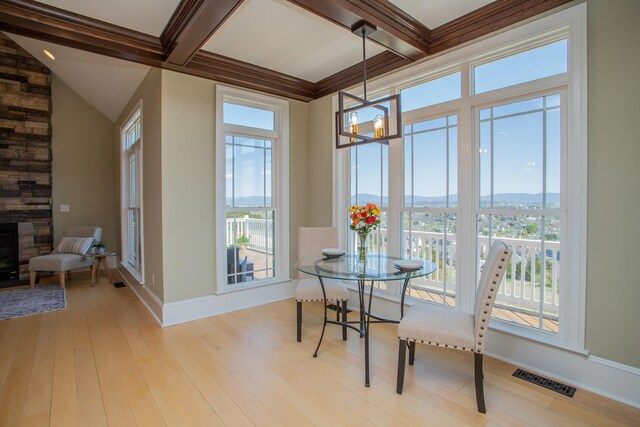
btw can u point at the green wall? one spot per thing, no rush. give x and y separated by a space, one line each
613 283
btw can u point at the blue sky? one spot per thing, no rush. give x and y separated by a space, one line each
518 160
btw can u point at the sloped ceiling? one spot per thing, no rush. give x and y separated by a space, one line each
104 82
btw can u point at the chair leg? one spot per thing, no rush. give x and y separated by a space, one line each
402 359
477 357
412 352
33 278
62 279
338 311
299 320
344 309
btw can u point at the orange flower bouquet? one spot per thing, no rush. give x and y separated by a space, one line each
364 219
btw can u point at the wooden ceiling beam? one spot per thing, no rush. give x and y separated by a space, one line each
48 23
191 25
397 30
40 21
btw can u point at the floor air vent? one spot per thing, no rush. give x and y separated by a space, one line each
545 382
118 284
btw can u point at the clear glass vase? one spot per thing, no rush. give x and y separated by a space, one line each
362 251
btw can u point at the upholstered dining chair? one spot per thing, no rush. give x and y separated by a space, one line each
446 327
72 253
311 241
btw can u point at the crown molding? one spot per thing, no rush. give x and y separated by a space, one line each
194 21
232 71
376 66
486 20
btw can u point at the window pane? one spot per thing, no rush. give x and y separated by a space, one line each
132 179
235 114
430 159
522 67
433 237
133 238
553 135
529 293
515 142
369 174
250 245
432 92
229 170
249 171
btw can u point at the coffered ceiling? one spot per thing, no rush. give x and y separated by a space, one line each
146 16
300 49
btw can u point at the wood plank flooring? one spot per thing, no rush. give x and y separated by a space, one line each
104 361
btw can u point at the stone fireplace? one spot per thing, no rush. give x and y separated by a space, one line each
25 151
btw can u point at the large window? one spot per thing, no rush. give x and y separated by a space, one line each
131 191
252 203
486 154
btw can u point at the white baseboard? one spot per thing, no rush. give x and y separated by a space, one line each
211 305
148 298
604 377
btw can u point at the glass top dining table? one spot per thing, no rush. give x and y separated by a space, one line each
377 268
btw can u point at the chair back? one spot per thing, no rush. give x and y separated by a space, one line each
311 241
95 232
492 273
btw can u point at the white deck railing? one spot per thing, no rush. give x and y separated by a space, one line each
258 230
517 289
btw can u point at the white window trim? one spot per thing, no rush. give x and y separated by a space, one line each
138 274
280 181
571 23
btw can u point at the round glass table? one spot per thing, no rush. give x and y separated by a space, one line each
377 268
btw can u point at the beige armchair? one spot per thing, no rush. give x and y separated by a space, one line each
311 241
62 262
454 329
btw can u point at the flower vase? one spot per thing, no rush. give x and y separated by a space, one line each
362 252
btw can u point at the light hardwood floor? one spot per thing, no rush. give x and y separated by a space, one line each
104 361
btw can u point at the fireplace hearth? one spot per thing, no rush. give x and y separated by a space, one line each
9 257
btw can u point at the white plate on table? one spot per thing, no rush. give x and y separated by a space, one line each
332 252
408 265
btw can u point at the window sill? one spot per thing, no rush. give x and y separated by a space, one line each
227 289
137 274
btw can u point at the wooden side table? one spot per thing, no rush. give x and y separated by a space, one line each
95 269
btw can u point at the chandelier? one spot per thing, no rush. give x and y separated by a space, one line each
360 121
